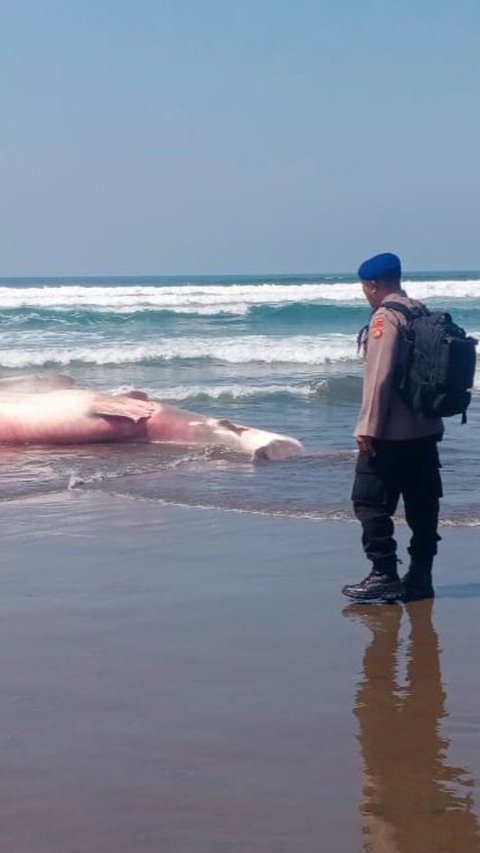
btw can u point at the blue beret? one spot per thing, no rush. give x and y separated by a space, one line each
385 265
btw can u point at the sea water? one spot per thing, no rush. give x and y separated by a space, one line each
276 352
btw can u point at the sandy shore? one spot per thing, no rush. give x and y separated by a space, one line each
190 681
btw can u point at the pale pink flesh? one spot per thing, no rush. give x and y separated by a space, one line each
74 416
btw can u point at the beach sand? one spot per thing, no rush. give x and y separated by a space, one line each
187 680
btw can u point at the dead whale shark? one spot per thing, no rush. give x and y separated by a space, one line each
52 411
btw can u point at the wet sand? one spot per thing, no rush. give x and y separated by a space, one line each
191 681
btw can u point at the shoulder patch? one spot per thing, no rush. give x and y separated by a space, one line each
376 326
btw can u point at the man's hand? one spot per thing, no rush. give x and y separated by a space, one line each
366 444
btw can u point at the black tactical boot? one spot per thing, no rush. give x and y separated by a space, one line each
417 583
382 584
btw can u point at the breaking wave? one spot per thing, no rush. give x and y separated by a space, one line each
308 350
215 298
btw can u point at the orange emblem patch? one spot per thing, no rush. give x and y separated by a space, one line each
376 328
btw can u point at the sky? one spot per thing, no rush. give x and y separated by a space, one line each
212 137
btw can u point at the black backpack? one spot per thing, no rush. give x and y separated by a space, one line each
436 365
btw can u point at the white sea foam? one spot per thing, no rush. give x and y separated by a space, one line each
215 299
308 350
183 393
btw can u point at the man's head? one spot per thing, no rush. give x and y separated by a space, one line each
380 276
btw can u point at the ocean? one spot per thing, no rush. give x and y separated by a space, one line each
276 352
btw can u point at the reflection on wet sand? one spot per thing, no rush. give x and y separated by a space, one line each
413 800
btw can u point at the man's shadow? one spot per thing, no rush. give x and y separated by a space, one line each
413 800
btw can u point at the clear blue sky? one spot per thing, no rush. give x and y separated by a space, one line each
210 136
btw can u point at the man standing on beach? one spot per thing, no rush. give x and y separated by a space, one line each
398 453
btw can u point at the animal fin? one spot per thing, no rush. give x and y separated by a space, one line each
236 428
122 406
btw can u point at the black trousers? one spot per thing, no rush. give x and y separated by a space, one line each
400 468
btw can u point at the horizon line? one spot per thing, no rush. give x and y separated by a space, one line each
269 274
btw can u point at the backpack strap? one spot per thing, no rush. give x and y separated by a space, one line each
419 309
361 337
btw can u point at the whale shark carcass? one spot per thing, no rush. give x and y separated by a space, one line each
52 411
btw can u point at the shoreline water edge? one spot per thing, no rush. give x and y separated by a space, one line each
275 352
